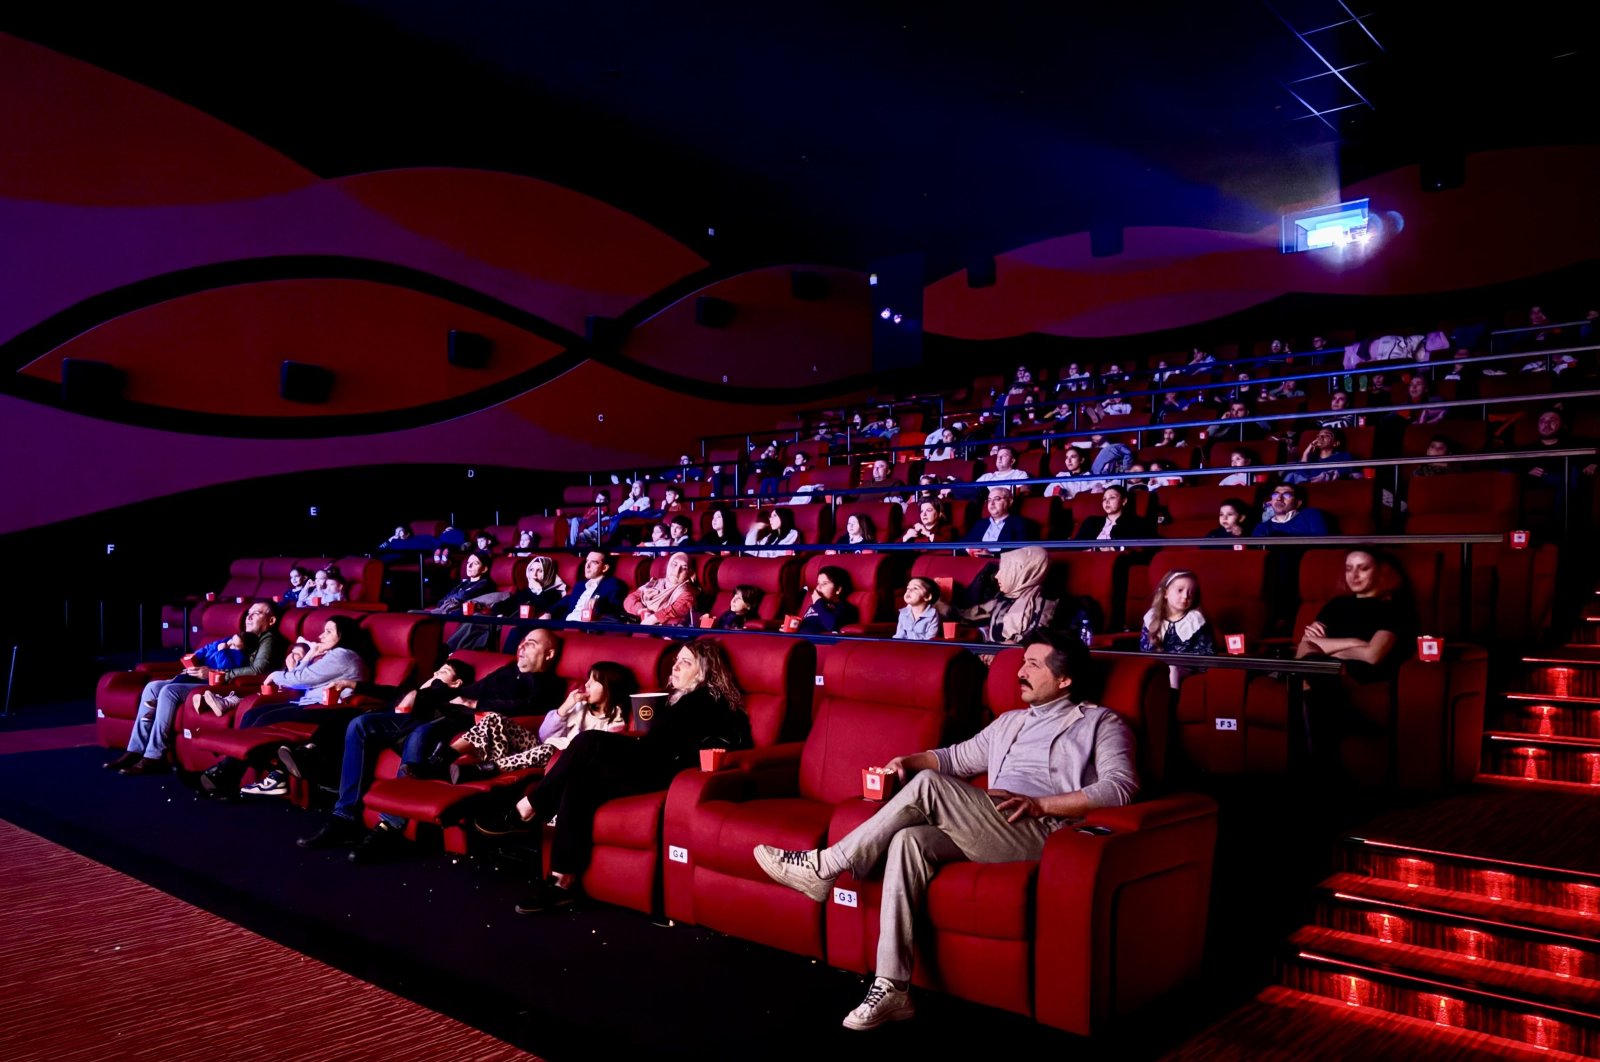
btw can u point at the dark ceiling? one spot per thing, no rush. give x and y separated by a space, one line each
842 132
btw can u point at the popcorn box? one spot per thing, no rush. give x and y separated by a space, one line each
526 612
790 624
211 597
330 696
214 678
1518 539
268 689
877 783
711 759
1235 644
1430 650
468 607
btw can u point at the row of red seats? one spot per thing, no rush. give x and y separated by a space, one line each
255 578
1021 943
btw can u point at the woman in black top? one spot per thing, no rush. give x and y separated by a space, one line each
475 582
1364 628
705 710
723 530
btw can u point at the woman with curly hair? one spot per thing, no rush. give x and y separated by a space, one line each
704 710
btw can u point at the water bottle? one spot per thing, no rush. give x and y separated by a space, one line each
1085 631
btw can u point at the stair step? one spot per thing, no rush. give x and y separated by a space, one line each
1545 719
1550 986
1534 758
1563 678
1449 1005
1281 1024
1577 917
1521 696
1507 781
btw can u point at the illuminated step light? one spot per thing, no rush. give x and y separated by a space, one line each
1546 714
1388 928
1442 1010
1414 873
1591 767
1535 763
1585 898
1563 961
1470 943
1496 884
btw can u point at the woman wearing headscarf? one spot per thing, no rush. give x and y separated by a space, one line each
669 600
1020 606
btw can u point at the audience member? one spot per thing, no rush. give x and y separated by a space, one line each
1438 446
705 709
1118 520
1000 524
475 583
780 531
1289 515
919 621
1019 605
596 524
1175 624
669 600
723 531
1239 459
1233 516
858 530
495 743
1326 445
1073 479
1005 468
638 499
932 524
598 596
743 607
1047 766
830 607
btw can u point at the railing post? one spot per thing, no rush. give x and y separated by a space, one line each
1466 588
141 632
11 675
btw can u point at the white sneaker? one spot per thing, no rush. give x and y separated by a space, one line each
798 870
275 783
884 1003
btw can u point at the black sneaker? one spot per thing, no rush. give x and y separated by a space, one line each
380 844
337 832
296 759
471 772
547 898
505 823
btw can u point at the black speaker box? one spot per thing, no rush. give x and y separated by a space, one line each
806 285
981 273
299 381
90 383
468 350
1105 241
712 312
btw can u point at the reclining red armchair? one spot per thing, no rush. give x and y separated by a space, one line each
116 697
1102 924
877 700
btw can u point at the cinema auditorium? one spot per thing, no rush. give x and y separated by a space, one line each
592 531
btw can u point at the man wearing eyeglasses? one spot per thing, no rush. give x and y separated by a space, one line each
1290 515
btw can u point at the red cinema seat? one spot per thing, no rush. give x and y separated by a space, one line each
814 522
1046 514
1233 590
1348 503
869 574
778 579
1469 437
952 572
407 647
194 718
244 580
625 868
1265 451
275 576
960 471
1098 927
430 528
1087 504
877 700
363 582
703 564
1464 504
116 696
886 518
1192 511
550 532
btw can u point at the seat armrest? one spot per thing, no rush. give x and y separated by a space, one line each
871 630
1141 890
154 669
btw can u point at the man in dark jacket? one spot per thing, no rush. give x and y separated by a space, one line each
527 686
598 596
1001 524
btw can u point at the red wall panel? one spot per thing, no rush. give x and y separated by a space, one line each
220 351
72 133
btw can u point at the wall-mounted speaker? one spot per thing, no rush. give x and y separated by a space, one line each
468 350
981 273
712 312
88 384
300 381
804 284
605 332
1105 241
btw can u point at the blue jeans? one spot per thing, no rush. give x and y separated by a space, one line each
152 727
365 739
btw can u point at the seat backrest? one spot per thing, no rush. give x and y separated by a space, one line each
814 522
1468 503
244 579
407 646
363 579
1469 436
777 677
650 659
223 619
1322 579
275 576
1266 451
482 660
1046 514
1348 503
778 578
1099 576
963 471
885 516
431 528
1233 590
307 623
955 570
550 532
510 574
829 477
1086 505
877 701
1193 509
703 564
865 569
583 494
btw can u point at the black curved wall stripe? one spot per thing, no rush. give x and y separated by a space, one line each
46 336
